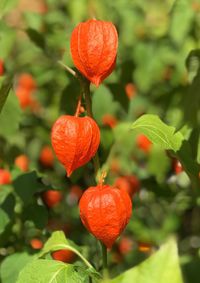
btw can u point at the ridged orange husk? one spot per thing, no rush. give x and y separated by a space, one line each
94 49
105 212
75 141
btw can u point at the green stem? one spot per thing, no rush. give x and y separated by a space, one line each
85 84
70 70
105 261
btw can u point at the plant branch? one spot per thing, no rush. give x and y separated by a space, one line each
85 85
71 71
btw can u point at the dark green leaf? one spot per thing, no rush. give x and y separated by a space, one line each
192 97
37 214
4 220
36 38
4 91
26 185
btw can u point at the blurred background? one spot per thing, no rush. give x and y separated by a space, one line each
158 59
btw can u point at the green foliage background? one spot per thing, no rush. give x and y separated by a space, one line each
159 53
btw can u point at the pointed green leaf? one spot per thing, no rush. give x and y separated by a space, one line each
4 91
4 220
26 185
158 132
6 6
158 156
103 103
12 265
10 116
162 267
58 241
49 271
36 38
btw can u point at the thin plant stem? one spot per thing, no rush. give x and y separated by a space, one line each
78 107
85 84
85 87
105 261
71 71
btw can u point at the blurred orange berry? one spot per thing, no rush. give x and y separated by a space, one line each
52 197
24 96
82 109
125 245
64 256
27 82
5 177
22 162
130 90
177 167
36 6
47 156
35 105
75 193
167 74
115 165
144 247
36 244
109 120
143 143
196 6
117 257
1 67
130 184
24 91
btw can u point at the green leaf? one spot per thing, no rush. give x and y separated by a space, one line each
198 151
58 241
4 193
26 185
162 267
158 156
4 91
10 117
6 211
7 37
12 265
181 20
103 103
193 63
191 167
51 271
158 132
69 98
4 220
38 214
192 97
6 6
36 38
